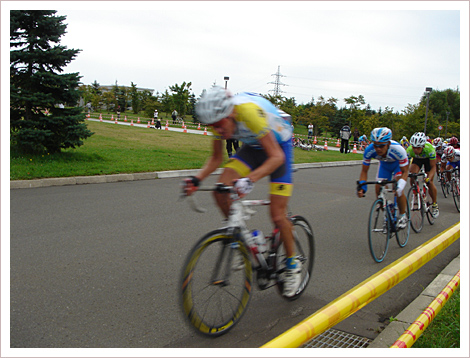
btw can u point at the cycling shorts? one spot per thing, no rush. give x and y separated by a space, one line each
454 164
420 161
388 169
248 159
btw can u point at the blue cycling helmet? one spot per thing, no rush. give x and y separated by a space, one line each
383 134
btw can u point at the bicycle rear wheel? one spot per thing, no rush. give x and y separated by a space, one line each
305 253
416 205
379 230
402 235
216 283
455 184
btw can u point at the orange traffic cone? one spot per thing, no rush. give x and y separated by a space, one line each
115 121
199 126
125 118
182 126
166 126
153 123
205 130
315 140
337 143
132 122
354 149
112 117
101 118
148 124
326 145
184 129
138 119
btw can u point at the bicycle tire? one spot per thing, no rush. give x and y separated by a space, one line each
402 235
443 182
415 203
455 185
207 299
305 252
429 214
379 230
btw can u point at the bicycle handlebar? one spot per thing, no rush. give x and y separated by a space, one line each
379 182
415 175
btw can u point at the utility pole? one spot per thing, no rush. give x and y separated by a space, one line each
428 92
277 83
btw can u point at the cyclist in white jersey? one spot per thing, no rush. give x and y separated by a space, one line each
393 163
267 150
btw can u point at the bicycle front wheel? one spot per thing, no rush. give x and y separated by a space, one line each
216 283
305 253
402 235
444 187
416 204
379 230
456 193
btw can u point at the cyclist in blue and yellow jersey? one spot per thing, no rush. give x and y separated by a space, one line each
393 164
404 142
267 149
421 152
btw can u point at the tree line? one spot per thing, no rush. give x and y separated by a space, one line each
45 115
323 114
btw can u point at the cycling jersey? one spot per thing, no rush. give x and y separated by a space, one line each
428 152
396 153
255 118
363 138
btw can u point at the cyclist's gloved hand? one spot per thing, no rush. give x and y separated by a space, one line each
190 185
243 186
400 186
363 187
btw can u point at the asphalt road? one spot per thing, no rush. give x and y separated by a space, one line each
97 265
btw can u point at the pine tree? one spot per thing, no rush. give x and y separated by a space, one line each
44 115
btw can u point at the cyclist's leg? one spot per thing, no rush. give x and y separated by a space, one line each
280 193
239 165
432 187
223 199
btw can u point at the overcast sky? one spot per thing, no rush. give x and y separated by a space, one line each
388 52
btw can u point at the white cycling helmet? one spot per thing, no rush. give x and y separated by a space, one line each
449 152
418 139
214 105
383 134
437 142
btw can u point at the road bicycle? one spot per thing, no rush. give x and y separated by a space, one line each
383 220
454 185
420 203
218 273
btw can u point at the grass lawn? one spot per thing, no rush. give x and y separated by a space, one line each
115 149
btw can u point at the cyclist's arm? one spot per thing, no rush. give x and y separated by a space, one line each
363 176
213 162
432 171
275 158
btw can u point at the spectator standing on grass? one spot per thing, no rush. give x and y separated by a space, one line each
174 114
356 136
158 123
310 131
345 134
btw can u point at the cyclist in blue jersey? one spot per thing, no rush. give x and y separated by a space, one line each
393 164
267 149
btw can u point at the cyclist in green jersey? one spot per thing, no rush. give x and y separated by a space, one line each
421 152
